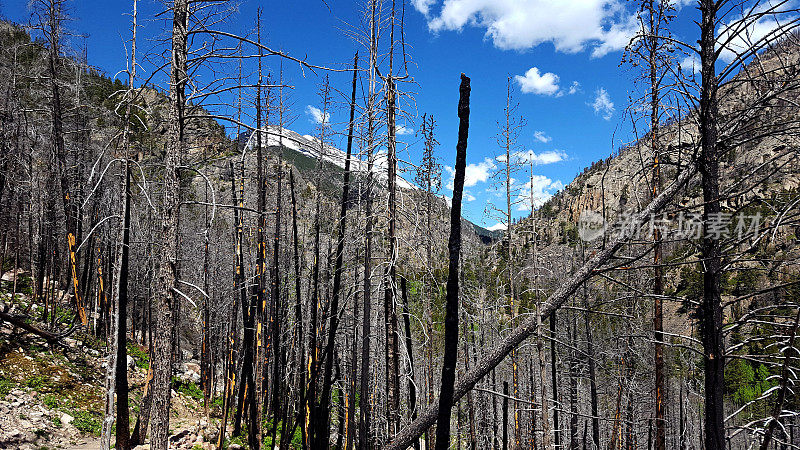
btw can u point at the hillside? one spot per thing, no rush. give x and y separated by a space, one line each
166 285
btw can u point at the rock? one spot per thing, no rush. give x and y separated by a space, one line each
66 419
11 275
234 447
193 367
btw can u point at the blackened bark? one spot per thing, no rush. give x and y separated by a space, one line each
166 298
592 381
554 379
412 385
276 317
323 410
255 435
711 309
298 317
446 397
390 278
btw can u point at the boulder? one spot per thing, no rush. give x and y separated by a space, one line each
66 419
12 275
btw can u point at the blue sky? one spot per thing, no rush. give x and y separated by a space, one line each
564 57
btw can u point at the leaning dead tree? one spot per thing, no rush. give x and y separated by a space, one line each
528 326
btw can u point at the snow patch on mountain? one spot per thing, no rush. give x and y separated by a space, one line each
310 146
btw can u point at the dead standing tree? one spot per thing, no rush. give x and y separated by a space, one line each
652 49
446 396
168 255
117 390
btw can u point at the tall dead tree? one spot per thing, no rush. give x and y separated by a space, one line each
446 396
365 435
118 364
255 435
652 48
429 176
317 310
711 251
276 319
390 277
168 255
507 138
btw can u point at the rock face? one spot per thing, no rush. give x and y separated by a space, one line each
190 372
26 424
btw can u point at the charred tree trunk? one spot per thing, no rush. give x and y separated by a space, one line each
554 379
412 385
711 309
298 317
446 397
324 407
166 300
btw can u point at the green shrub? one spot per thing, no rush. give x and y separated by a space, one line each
36 382
188 389
51 401
6 386
87 422
140 357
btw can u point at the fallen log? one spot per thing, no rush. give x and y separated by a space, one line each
495 356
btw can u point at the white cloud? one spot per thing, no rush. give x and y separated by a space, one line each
423 6
575 88
691 64
535 82
540 159
497 227
469 197
570 25
474 173
402 130
616 37
542 137
543 189
602 104
739 35
316 116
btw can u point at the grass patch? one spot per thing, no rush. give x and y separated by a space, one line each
37 382
6 386
140 357
87 422
51 401
188 389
